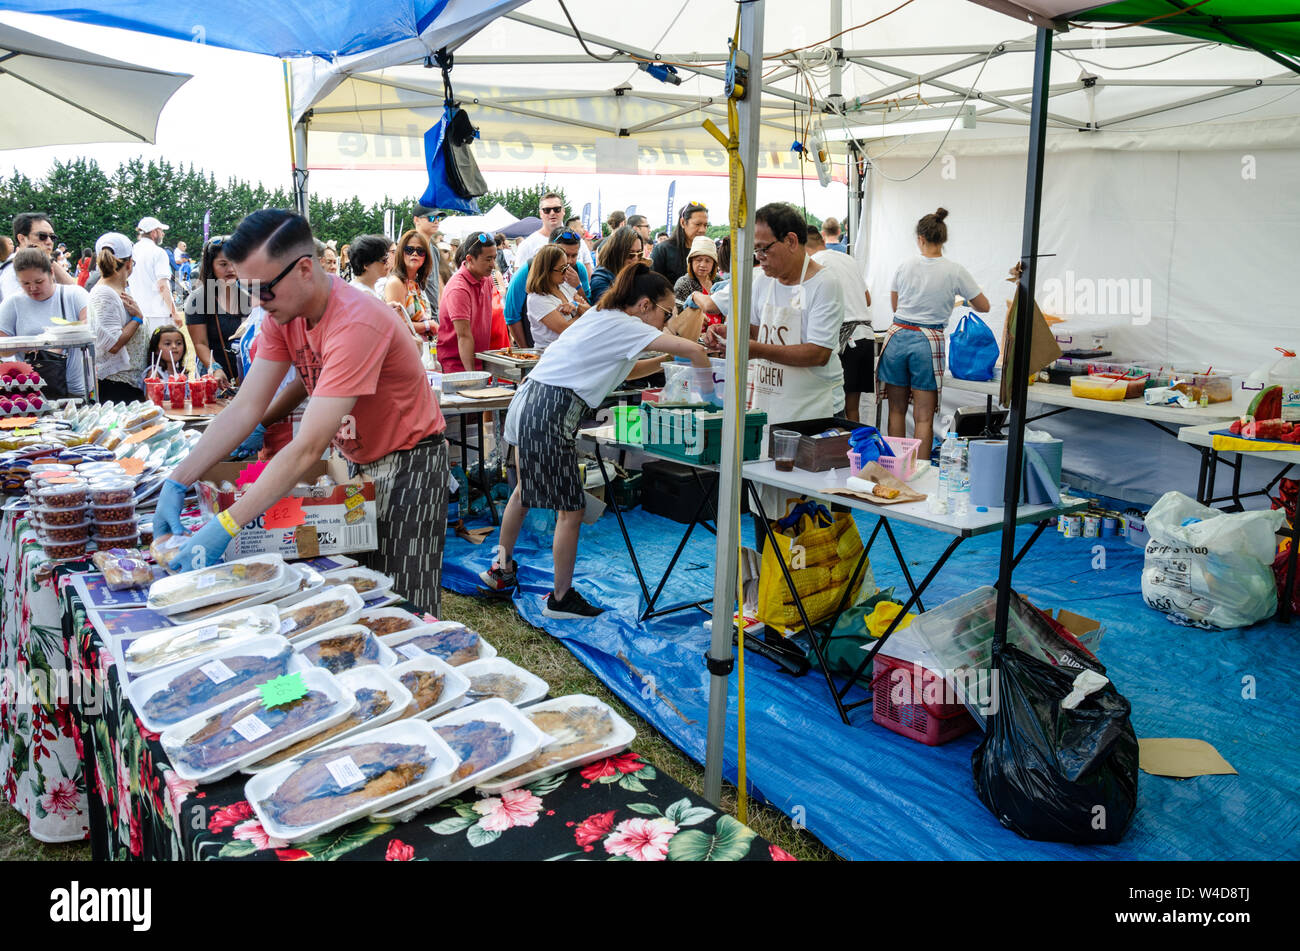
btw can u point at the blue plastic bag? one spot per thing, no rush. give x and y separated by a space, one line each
972 349
439 194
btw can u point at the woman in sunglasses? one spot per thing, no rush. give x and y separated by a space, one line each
573 377
214 311
405 286
625 246
552 303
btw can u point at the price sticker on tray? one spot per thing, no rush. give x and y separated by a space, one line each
217 672
283 690
204 581
250 728
345 772
411 651
287 625
207 633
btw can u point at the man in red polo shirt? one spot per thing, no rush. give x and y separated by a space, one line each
465 312
369 398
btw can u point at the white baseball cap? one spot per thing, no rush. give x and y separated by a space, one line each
116 242
149 224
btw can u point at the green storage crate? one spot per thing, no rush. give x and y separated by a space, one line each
627 490
627 424
692 432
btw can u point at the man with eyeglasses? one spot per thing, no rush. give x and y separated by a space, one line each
32 229
642 226
551 208
426 222
516 304
797 308
150 282
369 398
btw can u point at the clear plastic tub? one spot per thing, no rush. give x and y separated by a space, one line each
435 685
380 700
105 492
329 609
1098 388
168 696
582 730
78 532
450 640
321 772
124 541
123 529
62 496
217 583
173 644
489 718
64 551
498 677
212 745
113 513
61 516
344 648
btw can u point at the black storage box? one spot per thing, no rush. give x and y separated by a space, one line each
674 490
817 454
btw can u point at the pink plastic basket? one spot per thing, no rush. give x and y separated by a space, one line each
901 464
929 723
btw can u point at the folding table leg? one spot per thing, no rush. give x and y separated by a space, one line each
1200 481
618 514
1029 543
650 611
902 562
813 639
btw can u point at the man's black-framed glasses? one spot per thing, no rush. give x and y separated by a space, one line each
266 292
556 210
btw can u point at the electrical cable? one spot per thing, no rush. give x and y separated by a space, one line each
1086 62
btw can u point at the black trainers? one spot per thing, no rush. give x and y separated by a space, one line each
499 579
572 605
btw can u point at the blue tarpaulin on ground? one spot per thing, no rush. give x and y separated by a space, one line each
869 793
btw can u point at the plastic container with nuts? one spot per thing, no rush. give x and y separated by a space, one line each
123 529
124 541
64 551
71 516
62 496
112 491
67 533
113 513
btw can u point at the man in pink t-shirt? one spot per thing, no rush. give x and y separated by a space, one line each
369 398
465 311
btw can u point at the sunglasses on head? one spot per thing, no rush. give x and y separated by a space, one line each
567 236
266 292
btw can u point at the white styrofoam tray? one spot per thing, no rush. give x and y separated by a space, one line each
454 683
395 641
535 688
214 572
198 637
344 592
386 657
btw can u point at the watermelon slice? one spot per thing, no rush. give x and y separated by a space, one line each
1267 403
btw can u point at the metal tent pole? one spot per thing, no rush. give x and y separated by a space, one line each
1024 332
300 173
729 484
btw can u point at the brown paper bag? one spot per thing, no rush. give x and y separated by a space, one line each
1043 348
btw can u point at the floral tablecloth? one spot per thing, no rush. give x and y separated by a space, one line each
618 808
40 756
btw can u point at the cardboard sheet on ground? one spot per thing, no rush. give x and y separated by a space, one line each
1181 757
874 472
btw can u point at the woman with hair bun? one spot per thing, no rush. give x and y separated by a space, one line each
923 294
574 376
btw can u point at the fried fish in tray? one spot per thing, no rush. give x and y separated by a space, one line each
343 651
478 743
370 704
193 690
220 578
425 685
577 730
379 626
218 742
302 619
457 645
310 793
504 686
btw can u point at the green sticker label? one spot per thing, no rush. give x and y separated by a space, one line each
283 690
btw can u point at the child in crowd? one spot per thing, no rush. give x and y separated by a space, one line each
167 351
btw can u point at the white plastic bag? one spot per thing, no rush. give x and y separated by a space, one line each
677 380
1208 568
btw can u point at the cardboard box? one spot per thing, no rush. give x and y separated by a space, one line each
308 522
1085 629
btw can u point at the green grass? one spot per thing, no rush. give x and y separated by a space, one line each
535 650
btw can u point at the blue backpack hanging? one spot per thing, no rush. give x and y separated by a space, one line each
972 349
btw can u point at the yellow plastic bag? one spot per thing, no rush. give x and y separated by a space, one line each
814 541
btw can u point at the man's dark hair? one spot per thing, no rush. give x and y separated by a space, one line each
783 219
556 239
814 235
616 219
23 222
636 221
282 233
365 250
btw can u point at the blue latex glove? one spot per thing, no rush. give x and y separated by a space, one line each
252 445
167 519
205 547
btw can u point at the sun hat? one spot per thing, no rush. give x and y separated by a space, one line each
703 244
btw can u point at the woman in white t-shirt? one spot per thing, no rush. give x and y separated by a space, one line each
551 305
923 293
574 376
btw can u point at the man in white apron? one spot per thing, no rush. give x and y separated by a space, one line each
794 326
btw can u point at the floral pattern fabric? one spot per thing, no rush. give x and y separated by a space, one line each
40 754
618 808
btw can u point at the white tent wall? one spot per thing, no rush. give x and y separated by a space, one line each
1201 240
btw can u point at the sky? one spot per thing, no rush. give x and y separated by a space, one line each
230 119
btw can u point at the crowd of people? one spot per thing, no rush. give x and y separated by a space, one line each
329 345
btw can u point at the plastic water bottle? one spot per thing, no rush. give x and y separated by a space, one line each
941 504
959 481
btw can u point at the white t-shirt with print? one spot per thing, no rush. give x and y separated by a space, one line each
595 354
927 290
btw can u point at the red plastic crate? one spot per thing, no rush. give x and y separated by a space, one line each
928 723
